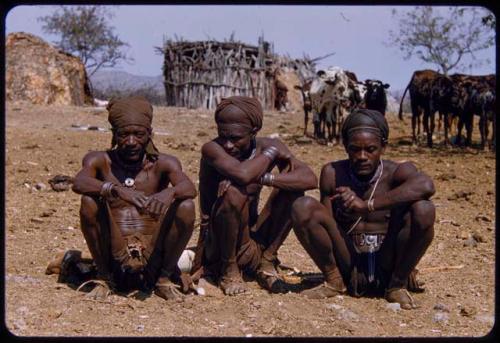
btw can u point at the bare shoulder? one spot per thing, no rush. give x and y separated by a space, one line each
95 158
334 167
404 167
168 162
209 148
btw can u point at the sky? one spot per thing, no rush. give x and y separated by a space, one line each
356 34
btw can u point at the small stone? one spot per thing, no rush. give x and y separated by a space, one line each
40 186
140 328
36 220
440 317
393 306
201 134
470 242
303 140
274 135
478 237
467 311
441 307
93 128
483 218
463 234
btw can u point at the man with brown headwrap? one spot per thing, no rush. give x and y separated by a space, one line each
137 212
234 237
374 222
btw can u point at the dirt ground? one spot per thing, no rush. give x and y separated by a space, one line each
458 269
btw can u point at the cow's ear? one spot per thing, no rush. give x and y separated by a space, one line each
367 81
386 85
321 73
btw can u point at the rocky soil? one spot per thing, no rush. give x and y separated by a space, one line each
43 141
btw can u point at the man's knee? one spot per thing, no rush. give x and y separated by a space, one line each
186 210
233 198
423 214
303 211
88 209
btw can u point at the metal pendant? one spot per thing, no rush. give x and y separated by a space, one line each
129 182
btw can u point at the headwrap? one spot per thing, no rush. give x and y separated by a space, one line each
250 106
135 110
367 120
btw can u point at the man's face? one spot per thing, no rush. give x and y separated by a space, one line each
364 149
236 140
131 141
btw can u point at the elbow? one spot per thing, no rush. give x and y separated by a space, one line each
312 182
76 188
428 188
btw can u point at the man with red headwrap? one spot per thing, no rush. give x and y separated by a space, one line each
234 237
137 212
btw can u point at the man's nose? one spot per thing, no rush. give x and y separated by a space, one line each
131 140
228 145
362 155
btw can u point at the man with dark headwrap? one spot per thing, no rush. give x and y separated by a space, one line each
137 212
234 237
374 222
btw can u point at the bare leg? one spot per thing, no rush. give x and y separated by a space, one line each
318 233
173 243
230 223
306 119
273 226
407 240
95 235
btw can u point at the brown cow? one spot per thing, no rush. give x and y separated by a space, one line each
420 93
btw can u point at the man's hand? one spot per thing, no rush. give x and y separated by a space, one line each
350 200
159 203
134 197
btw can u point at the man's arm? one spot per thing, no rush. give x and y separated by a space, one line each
182 187
85 181
327 182
299 176
241 172
411 186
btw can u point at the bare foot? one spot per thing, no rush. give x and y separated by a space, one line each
233 285
268 278
325 290
401 296
167 290
207 287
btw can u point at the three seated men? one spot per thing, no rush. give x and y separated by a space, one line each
367 233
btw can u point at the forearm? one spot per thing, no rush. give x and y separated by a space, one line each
413 190
87 186
296 180
183 190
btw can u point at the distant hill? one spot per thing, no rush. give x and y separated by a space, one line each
121 80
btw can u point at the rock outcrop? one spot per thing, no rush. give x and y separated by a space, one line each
42 74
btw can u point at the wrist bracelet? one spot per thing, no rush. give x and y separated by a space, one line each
267 179
271 152
371 208
106 189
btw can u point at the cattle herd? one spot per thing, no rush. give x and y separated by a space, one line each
335 92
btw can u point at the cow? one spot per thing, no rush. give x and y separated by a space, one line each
375 97
357 91
281 98
479 97
306 101
420 87
329 95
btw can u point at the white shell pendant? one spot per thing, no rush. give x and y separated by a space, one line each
129 182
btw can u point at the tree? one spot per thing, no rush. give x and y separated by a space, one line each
444 36
84 32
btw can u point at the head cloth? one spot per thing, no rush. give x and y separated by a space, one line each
134 110
250 106
367 120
